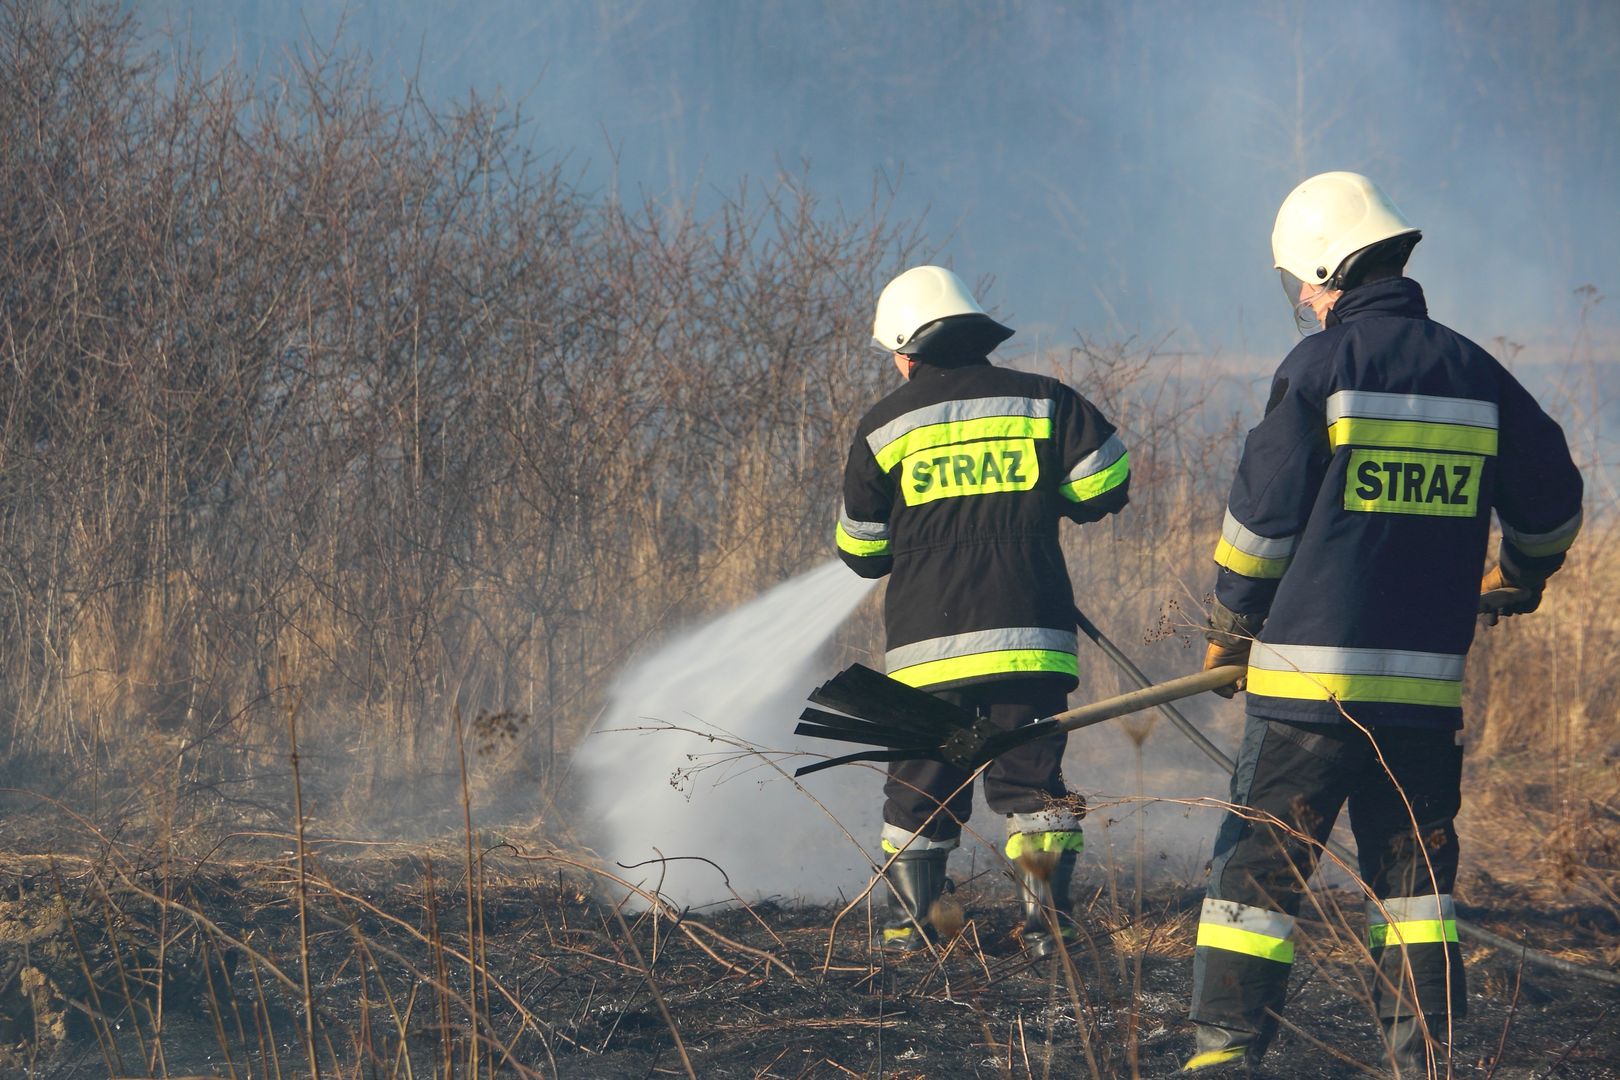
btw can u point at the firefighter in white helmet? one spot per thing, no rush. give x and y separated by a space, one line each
1348 580
954 488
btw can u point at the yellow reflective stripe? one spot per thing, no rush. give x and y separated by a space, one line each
944 434
977 468
1541 551
848 543
1320 686
1241 562
1210 1058
1098 483
987 663
1416 932
1247 942
1413 434
1540 545
1029 843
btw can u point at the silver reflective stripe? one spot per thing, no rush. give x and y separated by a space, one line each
1372 405
1333 660
895 838
862 530
1553 538
1252 543
948 412
1043 821
1098 460
1400 909
1272 924
980 641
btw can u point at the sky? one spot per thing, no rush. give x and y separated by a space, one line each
1107 171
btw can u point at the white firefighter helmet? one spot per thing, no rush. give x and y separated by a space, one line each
918 297
1321 228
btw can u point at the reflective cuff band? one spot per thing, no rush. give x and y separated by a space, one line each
1252 931
1321 673
894 839
983 652
1030 843
1414 421
1098 473
863 538
1411 920
856 546
1246 552
960 421
1539 545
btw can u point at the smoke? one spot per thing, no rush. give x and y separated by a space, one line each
689 765
1115 168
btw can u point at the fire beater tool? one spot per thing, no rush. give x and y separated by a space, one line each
914 725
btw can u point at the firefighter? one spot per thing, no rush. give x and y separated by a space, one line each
954 488
1348 581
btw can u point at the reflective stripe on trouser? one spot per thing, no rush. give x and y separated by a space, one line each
1413 940
1009 651
1024 780
1303 775
1055 828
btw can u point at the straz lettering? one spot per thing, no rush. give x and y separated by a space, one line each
1413 482
976 468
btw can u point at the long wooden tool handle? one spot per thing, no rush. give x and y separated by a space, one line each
1149 696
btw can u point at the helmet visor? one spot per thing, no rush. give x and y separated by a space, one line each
1300 294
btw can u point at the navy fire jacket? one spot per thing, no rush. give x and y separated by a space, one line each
955 485
1359 515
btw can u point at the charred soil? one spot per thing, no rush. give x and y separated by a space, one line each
188 967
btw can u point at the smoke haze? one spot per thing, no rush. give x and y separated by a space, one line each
1114 168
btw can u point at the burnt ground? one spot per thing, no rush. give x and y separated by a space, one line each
118 965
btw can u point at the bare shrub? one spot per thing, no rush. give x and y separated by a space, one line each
312 394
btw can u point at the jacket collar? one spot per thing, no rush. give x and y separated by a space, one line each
938 367
1392 296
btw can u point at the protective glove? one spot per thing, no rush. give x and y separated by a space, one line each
1230 636
1500 595
1219 654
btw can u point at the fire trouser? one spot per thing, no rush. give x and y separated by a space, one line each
1025 780
1303 775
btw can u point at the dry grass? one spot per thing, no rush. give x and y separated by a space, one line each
322 408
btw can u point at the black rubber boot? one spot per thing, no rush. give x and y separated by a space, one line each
1044 880
916 879
1225 1051
1407 1046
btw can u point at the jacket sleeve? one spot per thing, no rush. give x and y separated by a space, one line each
1096 477
1284 460
1538 487
862 533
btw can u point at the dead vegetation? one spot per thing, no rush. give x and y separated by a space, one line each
330 415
